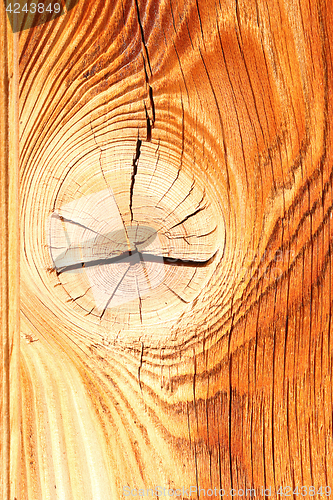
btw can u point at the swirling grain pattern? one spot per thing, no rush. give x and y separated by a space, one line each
210 123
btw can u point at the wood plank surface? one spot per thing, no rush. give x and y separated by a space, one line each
10 399
200 130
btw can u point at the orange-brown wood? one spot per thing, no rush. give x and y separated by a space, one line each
209 124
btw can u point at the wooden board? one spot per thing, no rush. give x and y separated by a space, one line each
176 249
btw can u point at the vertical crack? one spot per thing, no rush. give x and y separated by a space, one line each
149 124
148 75
145 70
143 36
135 170
152 104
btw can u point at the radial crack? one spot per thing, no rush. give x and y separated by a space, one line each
140 365
64 219
113 293
106 182
176 294
134 257
152 104
188 217
149 124
189 263
135 170
143 36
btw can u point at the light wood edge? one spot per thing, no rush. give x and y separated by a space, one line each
9 261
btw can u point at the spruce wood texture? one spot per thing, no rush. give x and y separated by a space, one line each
209 123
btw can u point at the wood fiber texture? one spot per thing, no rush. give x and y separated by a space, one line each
207 122
9 262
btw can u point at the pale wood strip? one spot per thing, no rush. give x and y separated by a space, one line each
9 262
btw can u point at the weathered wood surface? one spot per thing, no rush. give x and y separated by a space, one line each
202 118
9 262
